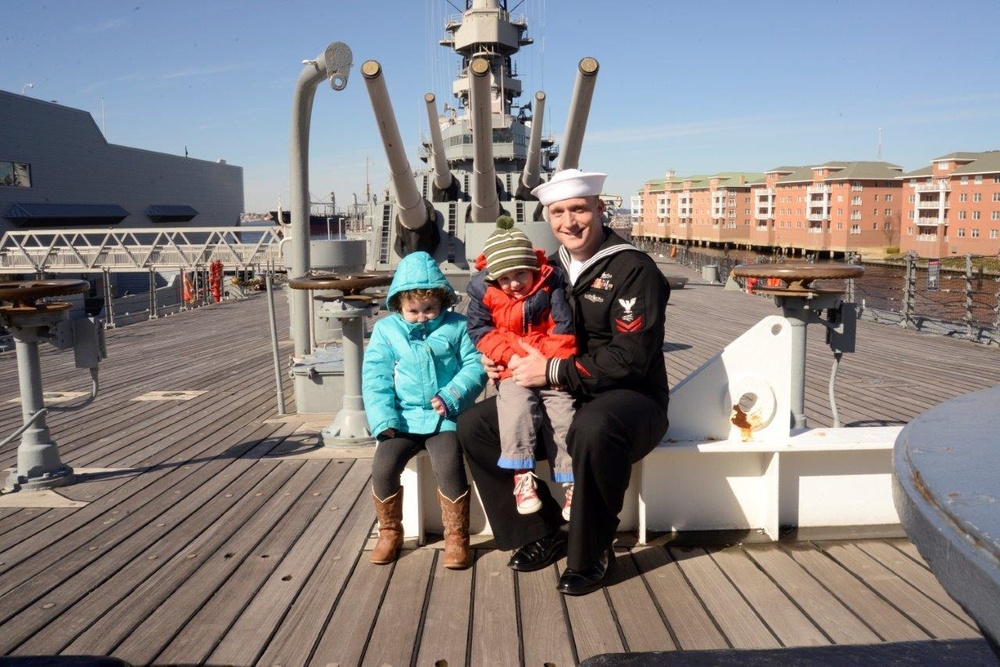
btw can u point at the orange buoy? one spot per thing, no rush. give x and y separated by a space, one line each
673 251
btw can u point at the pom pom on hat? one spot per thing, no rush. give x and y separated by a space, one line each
569 183
508 249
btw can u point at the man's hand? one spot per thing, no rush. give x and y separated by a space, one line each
529 370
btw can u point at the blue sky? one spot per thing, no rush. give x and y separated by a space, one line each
694 87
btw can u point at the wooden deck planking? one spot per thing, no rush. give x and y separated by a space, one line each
186 627
788 623
396 629
244 642
345 638
893 555
106 590
447 613
546 636
923 611
887 621
691 626
639 617
138 595
306 621
740 623
595 630
834 619
495 632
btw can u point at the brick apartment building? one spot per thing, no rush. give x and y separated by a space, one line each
951 207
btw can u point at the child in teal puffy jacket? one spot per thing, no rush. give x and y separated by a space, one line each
420 370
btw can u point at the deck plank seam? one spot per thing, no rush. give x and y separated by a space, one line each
656 602
928 600
697 594
711 555
833 593
791 598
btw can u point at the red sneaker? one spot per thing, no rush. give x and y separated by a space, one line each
525 494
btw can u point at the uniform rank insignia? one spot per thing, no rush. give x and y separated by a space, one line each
629 322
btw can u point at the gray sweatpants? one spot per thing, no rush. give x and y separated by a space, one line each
525 412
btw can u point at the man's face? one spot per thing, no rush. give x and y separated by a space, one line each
576 224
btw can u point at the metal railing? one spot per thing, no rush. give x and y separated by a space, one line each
960 304
138 249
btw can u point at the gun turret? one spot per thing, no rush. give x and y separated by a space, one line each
531 175
485 203
445 185
415 212
579 109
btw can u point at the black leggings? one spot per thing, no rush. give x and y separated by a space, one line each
447 463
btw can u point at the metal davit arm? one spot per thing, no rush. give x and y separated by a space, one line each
333 64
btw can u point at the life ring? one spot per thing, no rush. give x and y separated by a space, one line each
751 285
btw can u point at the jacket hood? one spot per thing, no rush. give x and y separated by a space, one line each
418 270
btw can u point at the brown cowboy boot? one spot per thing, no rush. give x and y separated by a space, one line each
455 518
390 527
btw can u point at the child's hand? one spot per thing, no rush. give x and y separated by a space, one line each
438 406
388 433
492 368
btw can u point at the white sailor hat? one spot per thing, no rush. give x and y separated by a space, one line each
569 183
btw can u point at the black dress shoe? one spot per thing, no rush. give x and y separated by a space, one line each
588 580
539 554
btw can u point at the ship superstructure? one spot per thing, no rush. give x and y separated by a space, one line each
484 154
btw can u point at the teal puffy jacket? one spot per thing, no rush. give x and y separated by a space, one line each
407 364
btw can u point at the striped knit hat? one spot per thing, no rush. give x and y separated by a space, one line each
508 249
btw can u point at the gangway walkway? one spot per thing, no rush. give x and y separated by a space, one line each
41 251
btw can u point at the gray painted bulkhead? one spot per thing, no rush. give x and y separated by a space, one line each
72 163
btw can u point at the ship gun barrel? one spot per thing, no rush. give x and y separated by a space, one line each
413 208
485 203
579 110
445 184
531 176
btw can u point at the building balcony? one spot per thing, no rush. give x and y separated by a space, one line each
939 186
932 203
930 222
817 217
823 189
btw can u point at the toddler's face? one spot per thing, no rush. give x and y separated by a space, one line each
416 310
516 283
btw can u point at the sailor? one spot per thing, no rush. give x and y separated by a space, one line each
618 299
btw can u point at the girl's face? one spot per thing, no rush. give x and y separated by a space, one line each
416 310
